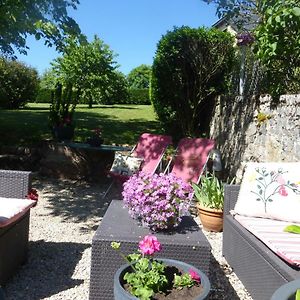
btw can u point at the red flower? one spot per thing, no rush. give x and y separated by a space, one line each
195 276
33 195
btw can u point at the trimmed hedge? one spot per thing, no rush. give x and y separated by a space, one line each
139 96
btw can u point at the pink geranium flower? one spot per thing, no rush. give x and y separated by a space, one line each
149 245
195 276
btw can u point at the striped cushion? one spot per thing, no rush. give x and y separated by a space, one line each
284 244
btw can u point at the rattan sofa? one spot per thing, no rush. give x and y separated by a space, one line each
260 270
14 237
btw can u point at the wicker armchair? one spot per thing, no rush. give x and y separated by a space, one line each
260 270
14 237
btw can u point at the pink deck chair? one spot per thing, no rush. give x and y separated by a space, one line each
151 148
191 158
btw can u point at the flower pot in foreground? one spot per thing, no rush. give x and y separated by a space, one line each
287 291
211 219
121 294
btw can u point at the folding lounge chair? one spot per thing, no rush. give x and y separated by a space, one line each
150 148
191 158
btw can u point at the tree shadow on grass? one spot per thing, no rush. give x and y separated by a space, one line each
48 271
29 127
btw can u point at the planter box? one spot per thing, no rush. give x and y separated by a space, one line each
187 244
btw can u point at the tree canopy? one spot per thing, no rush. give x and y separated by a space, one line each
47 19
88 67
276 28
139 77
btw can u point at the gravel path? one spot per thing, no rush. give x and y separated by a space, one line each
61 230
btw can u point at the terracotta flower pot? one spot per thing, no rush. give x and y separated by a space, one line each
211 219
121 294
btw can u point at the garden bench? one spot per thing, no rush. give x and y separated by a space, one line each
259 268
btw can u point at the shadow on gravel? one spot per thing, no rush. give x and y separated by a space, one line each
76 201
220 285
48 271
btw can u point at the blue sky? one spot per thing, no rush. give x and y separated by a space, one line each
132 28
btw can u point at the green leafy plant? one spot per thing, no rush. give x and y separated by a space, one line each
62 107
18 84
209 192
148 275
191 67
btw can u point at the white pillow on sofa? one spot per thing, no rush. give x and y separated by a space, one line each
125 164
270 190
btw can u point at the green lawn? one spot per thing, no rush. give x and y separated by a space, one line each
122 124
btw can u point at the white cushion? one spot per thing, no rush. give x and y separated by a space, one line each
12 209
126 164
270 190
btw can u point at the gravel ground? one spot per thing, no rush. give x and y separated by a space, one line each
61 230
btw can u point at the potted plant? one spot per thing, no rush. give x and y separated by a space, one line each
96 139
145 278
209 195
158 201
61 113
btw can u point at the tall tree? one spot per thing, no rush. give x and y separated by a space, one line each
88 67
139 77
46 19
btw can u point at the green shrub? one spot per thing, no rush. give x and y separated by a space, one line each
191 67
19 84
139 96
43 96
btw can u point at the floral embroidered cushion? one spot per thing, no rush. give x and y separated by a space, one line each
270 190
126 164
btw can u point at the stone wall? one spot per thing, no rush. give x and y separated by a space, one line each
241 137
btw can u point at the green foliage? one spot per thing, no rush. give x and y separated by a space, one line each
90 68
278 45
185 280
139 96
147 277
209 192
117 89
47 19
292 229
62 107
19 84
277 39
139 77
190 68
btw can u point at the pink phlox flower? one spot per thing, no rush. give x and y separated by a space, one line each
282 191
195 276
149 245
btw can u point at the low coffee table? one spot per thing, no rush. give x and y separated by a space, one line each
187 244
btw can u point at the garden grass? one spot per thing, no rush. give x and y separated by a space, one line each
121 124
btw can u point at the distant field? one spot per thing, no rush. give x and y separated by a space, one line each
121 124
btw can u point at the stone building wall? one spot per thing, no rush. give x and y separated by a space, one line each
241 137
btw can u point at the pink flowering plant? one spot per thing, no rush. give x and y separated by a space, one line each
158 201
148 275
